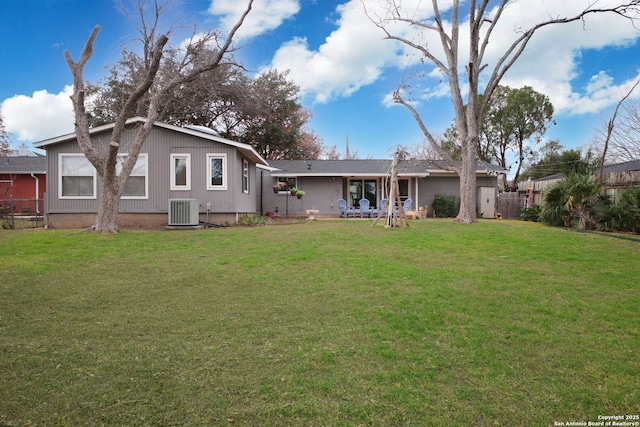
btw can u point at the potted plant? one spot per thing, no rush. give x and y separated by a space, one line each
279 186
293 191
299 194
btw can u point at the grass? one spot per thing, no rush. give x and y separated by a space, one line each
324 323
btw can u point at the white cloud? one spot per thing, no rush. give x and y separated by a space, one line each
265 15
552 62
40 116
355 54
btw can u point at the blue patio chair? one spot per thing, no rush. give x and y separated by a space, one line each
406 206
383 206
344 209
365 209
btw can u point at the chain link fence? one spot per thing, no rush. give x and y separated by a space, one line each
21 213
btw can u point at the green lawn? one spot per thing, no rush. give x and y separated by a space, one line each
330 323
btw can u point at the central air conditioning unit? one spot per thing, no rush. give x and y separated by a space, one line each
184 212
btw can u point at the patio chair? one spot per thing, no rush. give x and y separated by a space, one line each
406 206
344 209
365 209
383 206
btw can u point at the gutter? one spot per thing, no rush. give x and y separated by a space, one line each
37 192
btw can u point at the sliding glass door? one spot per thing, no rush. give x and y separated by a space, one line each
363 189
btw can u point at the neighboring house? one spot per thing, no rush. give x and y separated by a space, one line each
617 177
620 176
326 181
22 182
183 175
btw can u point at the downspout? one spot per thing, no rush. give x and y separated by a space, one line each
37 193
261 193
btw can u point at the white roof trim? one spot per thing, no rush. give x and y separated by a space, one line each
267 168
335 174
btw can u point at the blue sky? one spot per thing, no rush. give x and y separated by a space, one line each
340 60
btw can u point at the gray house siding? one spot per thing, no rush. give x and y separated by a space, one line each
323 192
430 186
225 204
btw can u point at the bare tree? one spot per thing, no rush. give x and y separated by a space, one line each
618 137
424 150
481 21
151 90
610 128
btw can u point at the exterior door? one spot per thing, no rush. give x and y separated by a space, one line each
486 205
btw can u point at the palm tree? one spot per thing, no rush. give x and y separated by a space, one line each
570 202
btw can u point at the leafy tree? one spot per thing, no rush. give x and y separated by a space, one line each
264 112
572 162
480 24
571 202
148 94
555 160
513 118
276 126
200 101
448 147
310 145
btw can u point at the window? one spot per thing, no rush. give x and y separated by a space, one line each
403 189
363 189
291 183
216 172
136 185
77 177
245 176
180 172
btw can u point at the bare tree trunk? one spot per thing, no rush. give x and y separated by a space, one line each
105 160
482 18
107 218
610 127
467 212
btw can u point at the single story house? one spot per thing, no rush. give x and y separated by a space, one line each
326 181
184 175
22 182
188 175
620 176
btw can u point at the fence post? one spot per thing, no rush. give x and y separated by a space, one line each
11 220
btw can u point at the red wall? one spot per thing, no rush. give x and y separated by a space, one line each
23 191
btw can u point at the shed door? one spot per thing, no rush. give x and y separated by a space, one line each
486 202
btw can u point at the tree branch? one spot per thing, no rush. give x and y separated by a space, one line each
81 124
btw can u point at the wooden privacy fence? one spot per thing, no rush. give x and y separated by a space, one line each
509 205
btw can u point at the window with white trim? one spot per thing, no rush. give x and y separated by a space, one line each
289 183
216 171
136 186
77 177
180 171
245 176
